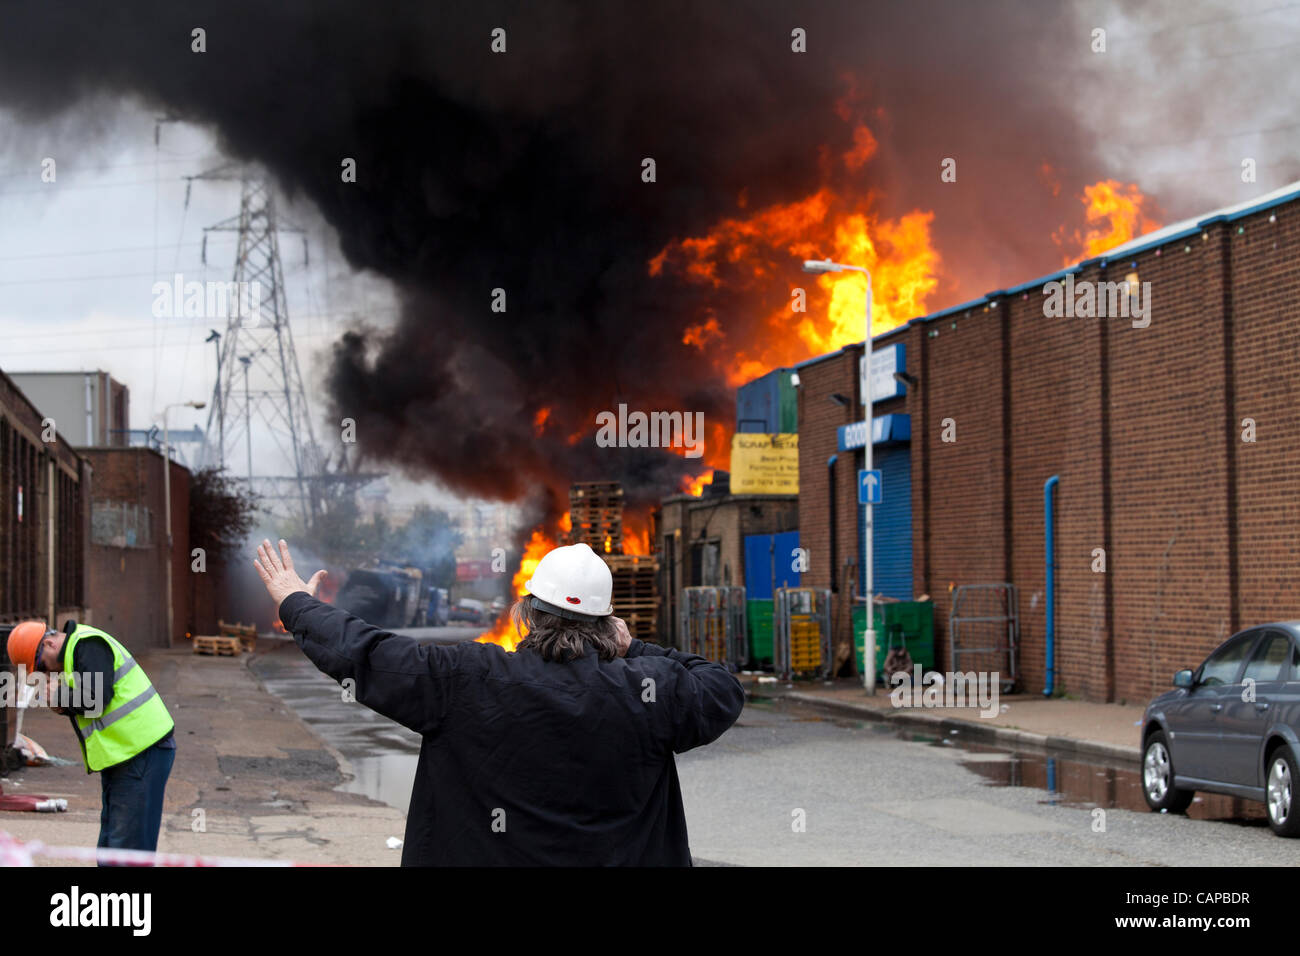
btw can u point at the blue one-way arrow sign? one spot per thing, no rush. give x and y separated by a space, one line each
870 487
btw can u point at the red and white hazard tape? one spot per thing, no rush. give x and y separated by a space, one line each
16 853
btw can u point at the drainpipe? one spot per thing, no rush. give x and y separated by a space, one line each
1049 521
51 516
90 414
830 486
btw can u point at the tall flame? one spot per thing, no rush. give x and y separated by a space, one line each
502 632
759 256
1114 213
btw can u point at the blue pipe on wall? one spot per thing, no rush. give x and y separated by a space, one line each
1049 498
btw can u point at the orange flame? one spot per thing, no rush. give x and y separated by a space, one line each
695 486
636 533
759 256
1114 213
502 632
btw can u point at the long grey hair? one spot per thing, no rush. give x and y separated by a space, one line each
561 639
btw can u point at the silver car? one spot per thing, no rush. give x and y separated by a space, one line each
1230 726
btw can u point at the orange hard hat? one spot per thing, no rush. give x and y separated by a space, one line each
24 639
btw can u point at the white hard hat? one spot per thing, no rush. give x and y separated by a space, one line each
573 581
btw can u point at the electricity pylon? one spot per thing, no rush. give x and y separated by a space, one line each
259 385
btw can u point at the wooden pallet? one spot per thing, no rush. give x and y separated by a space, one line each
641 612
219 646
596 516
630 562
641 625
588 490
247 633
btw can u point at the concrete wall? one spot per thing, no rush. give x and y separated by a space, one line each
62 397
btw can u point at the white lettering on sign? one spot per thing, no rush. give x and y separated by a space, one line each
878 382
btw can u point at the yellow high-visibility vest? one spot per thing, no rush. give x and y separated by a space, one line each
135 717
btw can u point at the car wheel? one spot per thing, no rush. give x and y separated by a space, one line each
1158 777
1283 814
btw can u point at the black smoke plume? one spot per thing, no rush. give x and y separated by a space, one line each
522 171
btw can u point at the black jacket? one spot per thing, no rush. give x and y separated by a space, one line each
527 762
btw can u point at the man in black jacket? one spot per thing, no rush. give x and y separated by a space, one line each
560 753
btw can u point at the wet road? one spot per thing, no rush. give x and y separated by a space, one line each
787 785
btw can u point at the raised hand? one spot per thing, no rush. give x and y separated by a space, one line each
277 573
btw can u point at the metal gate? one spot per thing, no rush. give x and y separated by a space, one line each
713 624
984 631
801 632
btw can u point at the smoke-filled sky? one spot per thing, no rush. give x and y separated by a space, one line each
478 170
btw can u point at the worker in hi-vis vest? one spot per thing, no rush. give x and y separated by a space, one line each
125 731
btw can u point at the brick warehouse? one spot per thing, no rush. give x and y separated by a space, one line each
1143 426
44 515
128 553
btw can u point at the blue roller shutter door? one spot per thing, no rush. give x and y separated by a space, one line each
893 523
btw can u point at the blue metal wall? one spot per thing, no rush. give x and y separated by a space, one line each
767 404
892 519
768 558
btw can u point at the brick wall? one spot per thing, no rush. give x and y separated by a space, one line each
1143 426
127 587
819 419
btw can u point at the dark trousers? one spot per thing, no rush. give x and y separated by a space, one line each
131 815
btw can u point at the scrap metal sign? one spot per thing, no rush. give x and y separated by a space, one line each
764 464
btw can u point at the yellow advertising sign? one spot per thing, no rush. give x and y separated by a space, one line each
764 464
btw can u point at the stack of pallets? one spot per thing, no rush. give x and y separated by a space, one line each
247 634
596 516
636 592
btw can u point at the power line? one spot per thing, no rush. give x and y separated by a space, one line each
135 348
21 172
111 276
99 252
56 186
201 320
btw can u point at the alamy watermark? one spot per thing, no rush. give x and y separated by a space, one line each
22 689
950 689
208 300
1099 300
651 430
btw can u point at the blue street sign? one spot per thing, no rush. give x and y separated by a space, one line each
870 487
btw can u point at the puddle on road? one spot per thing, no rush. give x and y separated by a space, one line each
382 753
387 778
1070 781
1067 780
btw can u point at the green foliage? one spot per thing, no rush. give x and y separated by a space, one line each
223 511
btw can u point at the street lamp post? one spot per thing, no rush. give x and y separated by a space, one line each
167 508
247 360
869 638
215 337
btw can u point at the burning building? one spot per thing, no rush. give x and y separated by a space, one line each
1168 434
